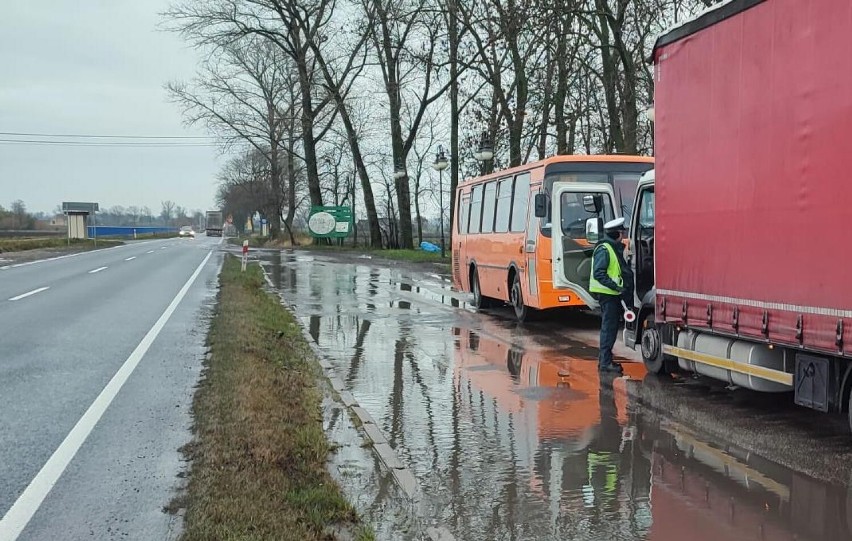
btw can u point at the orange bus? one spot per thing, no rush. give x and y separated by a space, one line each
503 253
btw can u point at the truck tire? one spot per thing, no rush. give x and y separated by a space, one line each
655 360
479 301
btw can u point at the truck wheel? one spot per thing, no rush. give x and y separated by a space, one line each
479 301
652 349
516 298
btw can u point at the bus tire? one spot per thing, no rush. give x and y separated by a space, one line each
516 299
479 301
655 360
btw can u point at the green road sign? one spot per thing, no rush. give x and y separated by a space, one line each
330 222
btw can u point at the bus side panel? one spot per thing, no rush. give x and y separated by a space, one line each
495 254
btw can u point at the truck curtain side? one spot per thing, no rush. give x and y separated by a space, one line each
753 116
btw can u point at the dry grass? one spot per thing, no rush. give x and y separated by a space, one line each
24 244
259 453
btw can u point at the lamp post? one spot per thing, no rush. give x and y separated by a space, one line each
399 171
485 152
439 165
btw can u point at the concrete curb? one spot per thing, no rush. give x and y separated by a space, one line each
387 455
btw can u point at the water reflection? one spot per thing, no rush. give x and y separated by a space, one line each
513 435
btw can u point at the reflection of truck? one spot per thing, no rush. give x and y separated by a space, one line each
214 223
737 250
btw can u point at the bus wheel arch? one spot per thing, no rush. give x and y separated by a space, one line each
479 300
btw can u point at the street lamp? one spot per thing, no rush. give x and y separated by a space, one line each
439 165
399 171
485 152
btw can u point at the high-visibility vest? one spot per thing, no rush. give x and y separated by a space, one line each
613 270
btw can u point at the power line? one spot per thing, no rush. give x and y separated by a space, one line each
126 144
93 136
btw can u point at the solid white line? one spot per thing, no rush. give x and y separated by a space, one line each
20 514
130 258
99 269
33 292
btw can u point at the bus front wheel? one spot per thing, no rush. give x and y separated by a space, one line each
516 297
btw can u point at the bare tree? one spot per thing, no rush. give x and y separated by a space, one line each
244 95
404 35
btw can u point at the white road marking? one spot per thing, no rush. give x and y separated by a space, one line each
130 258
99 269
28 263
20 514
163 247
150 252
33 292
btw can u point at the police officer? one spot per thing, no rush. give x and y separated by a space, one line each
607 284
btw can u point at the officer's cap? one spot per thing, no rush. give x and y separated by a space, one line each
612 225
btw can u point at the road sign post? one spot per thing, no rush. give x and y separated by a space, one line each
245 255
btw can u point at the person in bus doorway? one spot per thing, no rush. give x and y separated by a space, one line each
610 273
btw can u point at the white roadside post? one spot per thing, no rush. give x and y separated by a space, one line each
245 254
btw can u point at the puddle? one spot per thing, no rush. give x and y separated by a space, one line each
512 434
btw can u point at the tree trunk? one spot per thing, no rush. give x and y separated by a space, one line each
307 121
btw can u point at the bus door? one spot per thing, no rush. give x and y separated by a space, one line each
572 253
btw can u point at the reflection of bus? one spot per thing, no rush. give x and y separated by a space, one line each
554 396
503 252
582 451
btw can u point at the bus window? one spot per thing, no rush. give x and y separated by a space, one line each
520 202
574 216
464 211
504 206
475 210
489 201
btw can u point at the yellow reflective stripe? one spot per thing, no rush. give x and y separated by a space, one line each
748 369
731 464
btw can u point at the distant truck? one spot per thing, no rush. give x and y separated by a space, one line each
737 239
214 223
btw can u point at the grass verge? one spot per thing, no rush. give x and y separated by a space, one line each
412 256
259 451
24 244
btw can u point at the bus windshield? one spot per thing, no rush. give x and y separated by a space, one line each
623 177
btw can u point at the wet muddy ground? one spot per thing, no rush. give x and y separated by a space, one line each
511 434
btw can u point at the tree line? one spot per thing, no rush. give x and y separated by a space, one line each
343 101
17 217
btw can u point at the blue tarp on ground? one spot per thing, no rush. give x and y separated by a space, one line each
115 231
429 247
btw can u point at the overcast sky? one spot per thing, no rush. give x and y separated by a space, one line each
96 67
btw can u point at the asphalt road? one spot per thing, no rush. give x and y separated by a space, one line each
99 355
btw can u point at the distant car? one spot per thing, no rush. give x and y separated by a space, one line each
187 231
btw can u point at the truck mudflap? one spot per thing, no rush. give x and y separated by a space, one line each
812 382
736 362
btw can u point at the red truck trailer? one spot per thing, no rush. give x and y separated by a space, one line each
738 237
